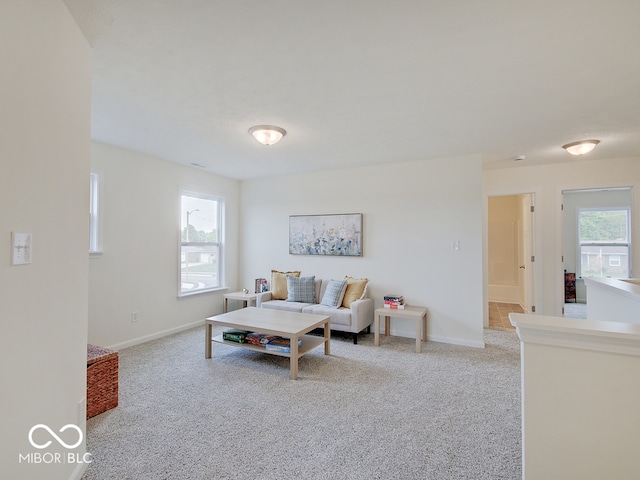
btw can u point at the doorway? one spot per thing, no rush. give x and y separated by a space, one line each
510 257
596 241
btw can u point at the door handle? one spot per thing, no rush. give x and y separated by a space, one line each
522 267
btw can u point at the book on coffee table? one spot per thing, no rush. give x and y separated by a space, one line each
237 336
281 345
259 338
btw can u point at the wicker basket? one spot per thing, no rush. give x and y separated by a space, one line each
102 380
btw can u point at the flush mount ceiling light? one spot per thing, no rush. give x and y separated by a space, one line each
581 147
267 134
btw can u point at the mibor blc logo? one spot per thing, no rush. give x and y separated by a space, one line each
55 457
52 433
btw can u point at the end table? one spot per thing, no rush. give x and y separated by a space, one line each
419 314
244 297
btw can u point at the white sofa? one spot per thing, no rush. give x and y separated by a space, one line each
353 319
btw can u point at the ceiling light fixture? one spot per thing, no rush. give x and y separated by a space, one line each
581 147
267 134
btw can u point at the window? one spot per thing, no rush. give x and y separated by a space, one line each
604 242
201 243
95 186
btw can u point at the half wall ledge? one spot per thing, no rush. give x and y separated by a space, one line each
580 397
601 336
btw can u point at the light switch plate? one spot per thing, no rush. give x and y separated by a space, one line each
20 248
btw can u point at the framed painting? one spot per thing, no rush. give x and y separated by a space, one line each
335 234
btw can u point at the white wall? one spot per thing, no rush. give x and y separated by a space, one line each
547 182
412 213
44 133
138 270
612 299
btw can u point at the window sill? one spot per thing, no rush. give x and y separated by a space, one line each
200 292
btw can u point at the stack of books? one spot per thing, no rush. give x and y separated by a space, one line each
261 285
269 342
394 301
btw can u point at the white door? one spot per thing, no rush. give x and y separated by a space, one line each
527 266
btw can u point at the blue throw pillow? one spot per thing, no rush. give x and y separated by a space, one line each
334 293
301 289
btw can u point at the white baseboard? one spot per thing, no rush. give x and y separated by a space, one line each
153 336
164 333
456 341
434 338
78 471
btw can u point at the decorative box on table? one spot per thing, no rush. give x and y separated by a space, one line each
102 380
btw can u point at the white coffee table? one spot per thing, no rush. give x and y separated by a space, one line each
290 325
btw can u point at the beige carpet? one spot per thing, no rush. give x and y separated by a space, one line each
364 412
575 310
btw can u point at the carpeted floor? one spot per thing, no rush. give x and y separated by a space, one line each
364 412
575 310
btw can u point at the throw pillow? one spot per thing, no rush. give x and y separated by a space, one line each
279 284
334 293
301 289
356 290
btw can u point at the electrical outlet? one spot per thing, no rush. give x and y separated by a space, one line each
455 245
134 317
21 248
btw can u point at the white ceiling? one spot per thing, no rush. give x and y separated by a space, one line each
363 82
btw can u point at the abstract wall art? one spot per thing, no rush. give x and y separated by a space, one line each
335 234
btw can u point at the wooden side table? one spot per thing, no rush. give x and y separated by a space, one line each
247 298
419 314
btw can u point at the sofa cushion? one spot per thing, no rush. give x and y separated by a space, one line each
356 290
338 316
334 293
301 289
284 305
279 284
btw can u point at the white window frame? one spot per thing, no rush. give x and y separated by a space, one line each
95 212
217 246
604 244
